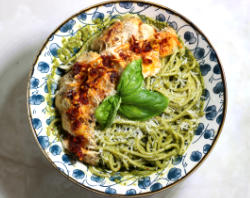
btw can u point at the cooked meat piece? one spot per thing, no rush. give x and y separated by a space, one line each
121 31
81 91
166 41
77 145
130 39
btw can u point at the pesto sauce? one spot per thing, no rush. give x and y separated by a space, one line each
71 48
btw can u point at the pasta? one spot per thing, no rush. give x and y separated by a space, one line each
149 146
143 147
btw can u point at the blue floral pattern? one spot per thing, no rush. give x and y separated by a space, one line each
199 53
53 88
53 48
195 156
205 68
96 178
97 15
82 16
126 5
161 17
205 94
155 187
55 150
189 37
206 148
34 82
131 192
174 174
36 99
68 26
177 160
110 190
211 112
216 69
116 177
209 133
199 129
212 56
78 174
43 67
144 182
219 87
44 141
36 123
49 120
204 135
219 119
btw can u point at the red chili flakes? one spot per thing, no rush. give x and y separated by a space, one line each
76 69
84 76
124 56
108 61
114 76
134 45
96 72
93 71
108 34
137 47
164 42
146 47
76 143
72 113
83 93
146 60
81 120
84 97
76 124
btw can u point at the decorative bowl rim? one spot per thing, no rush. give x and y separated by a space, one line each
224 104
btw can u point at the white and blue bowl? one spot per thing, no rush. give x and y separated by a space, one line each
205 136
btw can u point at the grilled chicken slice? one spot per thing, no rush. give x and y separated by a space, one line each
94 76
121 31
84 150
130 39
81 91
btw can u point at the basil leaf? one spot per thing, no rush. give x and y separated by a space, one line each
134 113
131 79
143 104
107 110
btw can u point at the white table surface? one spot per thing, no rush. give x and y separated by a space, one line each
24 171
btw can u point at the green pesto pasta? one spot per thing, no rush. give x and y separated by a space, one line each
145 147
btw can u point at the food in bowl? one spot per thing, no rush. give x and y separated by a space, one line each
131 96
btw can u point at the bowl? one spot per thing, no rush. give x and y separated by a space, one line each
205 136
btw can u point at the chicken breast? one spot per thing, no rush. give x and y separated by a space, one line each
94 77
81 91
132 39
121 31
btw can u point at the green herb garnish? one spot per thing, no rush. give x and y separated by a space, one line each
132 101
131 79
107 110
143 104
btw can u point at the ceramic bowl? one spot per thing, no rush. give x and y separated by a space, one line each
205 136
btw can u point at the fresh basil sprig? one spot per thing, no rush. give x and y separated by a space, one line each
143 104
107 110
132 101
131 79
